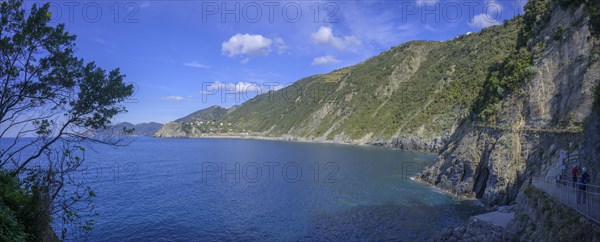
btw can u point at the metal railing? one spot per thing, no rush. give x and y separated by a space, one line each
586 202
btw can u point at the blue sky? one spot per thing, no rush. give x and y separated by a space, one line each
183 55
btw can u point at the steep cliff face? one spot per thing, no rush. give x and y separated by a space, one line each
491 160
171 130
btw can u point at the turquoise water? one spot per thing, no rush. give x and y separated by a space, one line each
235 189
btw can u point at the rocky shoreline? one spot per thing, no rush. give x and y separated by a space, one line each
406 144
535 217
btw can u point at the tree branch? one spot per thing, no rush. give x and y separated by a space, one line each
42 149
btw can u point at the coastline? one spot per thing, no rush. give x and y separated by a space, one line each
417 147
314 141
448 192
485 228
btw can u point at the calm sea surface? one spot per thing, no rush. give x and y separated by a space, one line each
248 190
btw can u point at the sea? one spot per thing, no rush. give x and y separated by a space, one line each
225 189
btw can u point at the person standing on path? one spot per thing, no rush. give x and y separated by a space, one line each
574 174
581 192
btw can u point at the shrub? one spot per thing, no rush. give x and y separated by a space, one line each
592 11
13 212
10 227
558 34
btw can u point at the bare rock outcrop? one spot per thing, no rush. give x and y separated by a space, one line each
552 111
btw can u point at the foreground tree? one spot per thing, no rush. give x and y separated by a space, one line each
49 101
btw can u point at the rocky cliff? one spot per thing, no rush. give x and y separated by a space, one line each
491 157
537 217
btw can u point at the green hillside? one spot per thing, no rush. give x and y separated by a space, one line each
418 89
208 114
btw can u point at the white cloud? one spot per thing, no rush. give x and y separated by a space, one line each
493 7
247 44
493 10
378 29
173 98
430 28
195 64
483 20
233 87
102 41
325 36
428 2
325 60
280 45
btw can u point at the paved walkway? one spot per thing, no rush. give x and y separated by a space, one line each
565 193
498 218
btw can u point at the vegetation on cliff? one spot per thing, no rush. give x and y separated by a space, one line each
212 113
592 11
506 77
418 89
536 100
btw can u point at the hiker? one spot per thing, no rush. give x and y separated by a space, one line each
574 174
583 180
563 174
